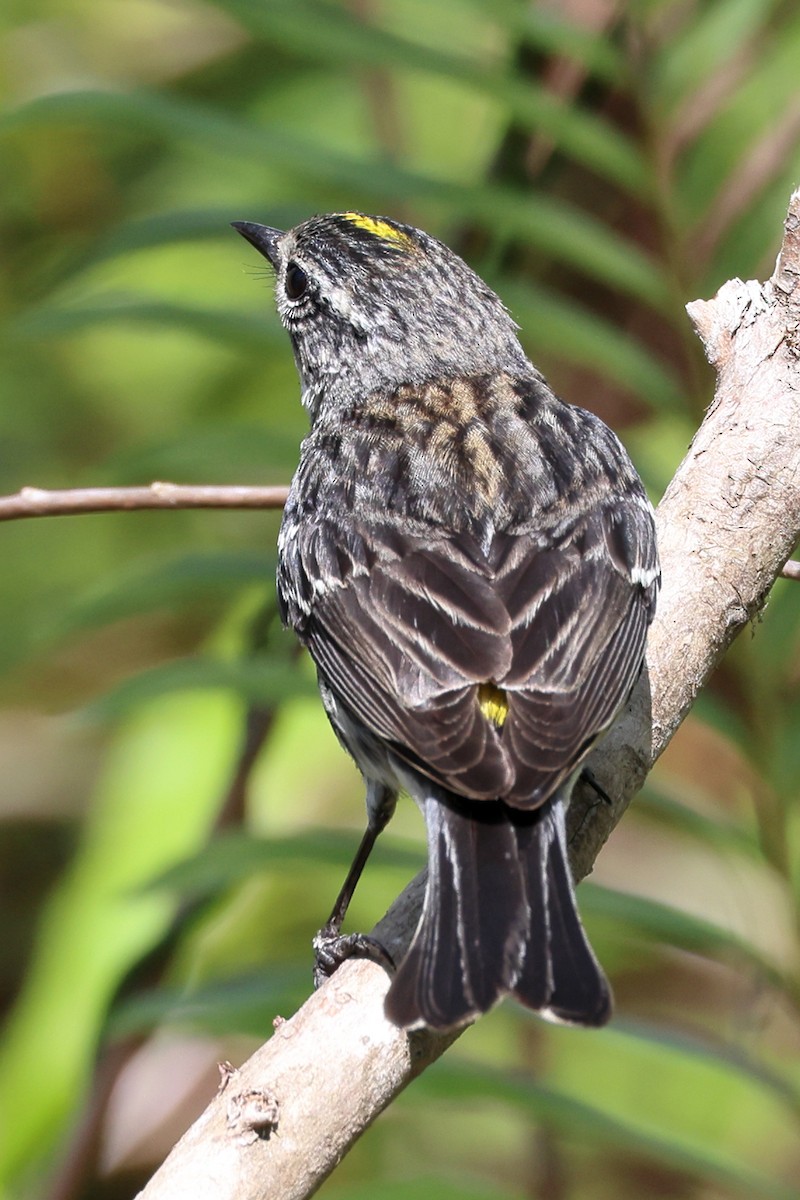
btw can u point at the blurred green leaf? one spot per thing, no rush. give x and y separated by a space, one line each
551 33
577 1120
329 33
156 799
709 40
247 1004
560 229
224 451
716 1052
655 803
233 857
167 228
258 680
190 578
454 1187
228 327
730 157
675 928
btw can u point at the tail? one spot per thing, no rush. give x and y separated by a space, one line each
499 917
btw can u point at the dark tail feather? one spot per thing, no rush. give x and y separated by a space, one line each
474 922
499 916
577 990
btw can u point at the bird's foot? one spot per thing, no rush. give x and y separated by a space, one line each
332 948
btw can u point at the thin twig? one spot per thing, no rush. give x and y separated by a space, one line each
37 502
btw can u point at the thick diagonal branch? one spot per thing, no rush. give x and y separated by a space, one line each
727 524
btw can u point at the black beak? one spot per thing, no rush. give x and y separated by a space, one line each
262 237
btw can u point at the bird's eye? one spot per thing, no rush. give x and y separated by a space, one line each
296 281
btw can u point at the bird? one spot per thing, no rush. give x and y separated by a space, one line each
472 565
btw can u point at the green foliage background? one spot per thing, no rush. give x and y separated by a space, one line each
176 815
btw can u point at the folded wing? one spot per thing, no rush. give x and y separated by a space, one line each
407 631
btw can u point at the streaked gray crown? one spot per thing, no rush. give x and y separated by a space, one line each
370 304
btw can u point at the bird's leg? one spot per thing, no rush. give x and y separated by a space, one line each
331 946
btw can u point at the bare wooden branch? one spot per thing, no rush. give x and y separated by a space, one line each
36 502
727 524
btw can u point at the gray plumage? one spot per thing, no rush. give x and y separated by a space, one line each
472 566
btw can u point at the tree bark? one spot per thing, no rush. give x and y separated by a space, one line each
727 524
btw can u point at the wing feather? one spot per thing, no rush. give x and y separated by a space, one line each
404 636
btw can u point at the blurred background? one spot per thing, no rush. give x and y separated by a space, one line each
176 816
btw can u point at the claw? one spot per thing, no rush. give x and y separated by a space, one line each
332 948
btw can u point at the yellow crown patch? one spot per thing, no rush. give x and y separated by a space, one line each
493 703
380 229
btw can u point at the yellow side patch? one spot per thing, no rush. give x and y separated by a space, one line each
493 703
381 229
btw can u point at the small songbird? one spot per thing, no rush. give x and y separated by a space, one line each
472 565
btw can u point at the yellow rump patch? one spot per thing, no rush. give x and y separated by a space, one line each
493 703
381 229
